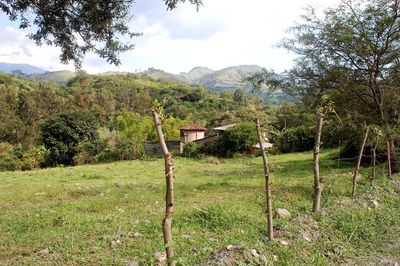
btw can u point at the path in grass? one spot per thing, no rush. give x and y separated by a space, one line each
110 214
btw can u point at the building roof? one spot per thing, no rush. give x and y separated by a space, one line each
193 127
223 128
266 145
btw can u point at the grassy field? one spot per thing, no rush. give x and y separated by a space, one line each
110 214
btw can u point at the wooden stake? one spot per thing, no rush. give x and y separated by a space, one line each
389 159
268 206
318 182
169 196
353 191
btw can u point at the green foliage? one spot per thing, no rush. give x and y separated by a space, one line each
190 149
296 139
234 140
62 133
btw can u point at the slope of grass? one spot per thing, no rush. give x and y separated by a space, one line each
109 214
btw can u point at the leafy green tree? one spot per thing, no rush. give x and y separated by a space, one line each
61 135
79 27
235 140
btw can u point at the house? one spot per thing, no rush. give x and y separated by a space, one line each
192 133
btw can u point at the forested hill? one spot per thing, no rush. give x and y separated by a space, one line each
27 103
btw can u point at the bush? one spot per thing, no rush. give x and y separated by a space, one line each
233 141
296 139
62 133
190 149
21 158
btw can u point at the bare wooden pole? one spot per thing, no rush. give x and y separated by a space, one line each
353 191
318 182
389 159
169 196
268 207
374 157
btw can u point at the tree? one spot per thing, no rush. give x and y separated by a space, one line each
62 133
353 51
79 27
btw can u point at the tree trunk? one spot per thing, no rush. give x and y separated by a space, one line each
267 182
318 182
389 160
169 197
353 191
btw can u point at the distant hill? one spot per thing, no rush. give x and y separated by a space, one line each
54 76
24 68
227 79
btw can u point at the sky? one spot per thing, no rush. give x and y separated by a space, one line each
220 34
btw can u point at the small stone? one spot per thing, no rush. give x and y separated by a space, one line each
254 253
132 263
282 213
230 247
120 210
118 241
375 203
186 236
275 257
108 190
160 256
137 235
283 242
113 243
194 250
40 193
43 252
102 194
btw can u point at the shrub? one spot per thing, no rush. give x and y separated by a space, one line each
62 133
190 149
296 139
234 140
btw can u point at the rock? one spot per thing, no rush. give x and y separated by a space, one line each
120 210
275 257
306 237
194 250
375 203
282 213
137 235
254 253
40 193
132 263
230 247
160 256
284 242
43 252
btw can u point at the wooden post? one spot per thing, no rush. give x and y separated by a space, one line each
353 191
169 196
318 182
374 157
268 206
389 159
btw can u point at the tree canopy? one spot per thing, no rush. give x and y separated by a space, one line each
79 27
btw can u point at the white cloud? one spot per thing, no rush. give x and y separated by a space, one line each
220 34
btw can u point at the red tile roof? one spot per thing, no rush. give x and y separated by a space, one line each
193 127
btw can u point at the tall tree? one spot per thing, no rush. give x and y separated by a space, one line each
79 27
356 47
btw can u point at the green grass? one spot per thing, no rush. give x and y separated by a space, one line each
77 212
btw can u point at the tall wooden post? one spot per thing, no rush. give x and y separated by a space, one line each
268 206
353 191
389 159
318 182
169 196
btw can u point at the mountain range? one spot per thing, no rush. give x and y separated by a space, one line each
227 79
